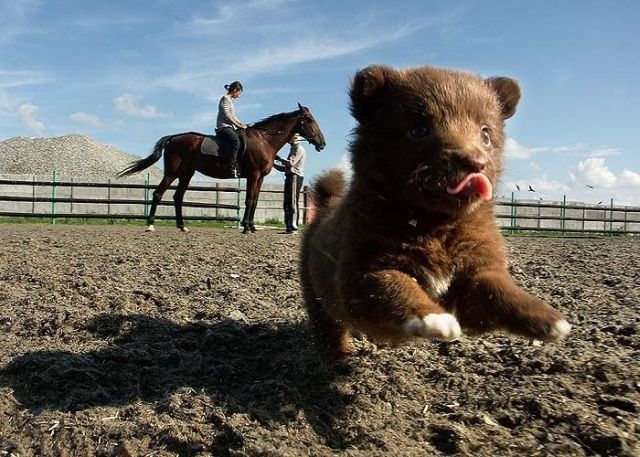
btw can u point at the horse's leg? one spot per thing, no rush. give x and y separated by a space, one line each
249 200
157 198
256 195
183 183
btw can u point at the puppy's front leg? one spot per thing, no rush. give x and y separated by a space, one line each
391 305
490 300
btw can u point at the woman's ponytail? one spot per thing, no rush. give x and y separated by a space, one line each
236 85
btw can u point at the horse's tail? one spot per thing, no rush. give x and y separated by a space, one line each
139 165
327 189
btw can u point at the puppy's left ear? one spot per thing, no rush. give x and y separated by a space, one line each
508 91
365 90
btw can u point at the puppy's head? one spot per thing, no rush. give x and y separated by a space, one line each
430 138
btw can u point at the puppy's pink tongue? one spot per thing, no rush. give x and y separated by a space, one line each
473 184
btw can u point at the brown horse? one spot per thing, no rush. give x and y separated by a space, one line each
182 158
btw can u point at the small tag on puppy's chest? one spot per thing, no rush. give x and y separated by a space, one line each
413 222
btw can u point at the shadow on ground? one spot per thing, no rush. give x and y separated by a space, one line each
266 371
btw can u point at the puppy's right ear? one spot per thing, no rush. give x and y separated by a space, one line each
367 85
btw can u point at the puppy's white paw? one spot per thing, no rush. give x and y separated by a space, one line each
442 325
559 330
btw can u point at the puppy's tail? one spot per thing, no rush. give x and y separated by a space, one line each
327 189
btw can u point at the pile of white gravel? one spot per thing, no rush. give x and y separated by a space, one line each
71 156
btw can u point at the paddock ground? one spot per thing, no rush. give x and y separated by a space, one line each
118 342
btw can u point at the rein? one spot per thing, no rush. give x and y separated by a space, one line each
273 132
267 130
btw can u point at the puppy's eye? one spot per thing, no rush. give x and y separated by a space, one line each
419 131
486 137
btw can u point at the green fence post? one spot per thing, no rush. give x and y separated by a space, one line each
513 213
611 217
33 195
53 198
563 213
217 213
146 195
71 197
238 205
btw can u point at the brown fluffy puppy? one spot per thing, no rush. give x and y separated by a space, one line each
412 248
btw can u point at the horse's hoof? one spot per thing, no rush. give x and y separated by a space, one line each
184 229
150 228
253 229
245 230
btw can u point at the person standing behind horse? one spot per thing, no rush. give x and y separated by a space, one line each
293 167
227 124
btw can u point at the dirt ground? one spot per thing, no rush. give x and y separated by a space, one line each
118 342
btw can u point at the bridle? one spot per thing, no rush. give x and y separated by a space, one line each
300 121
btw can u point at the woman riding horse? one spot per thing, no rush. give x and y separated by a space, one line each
227 123
182 158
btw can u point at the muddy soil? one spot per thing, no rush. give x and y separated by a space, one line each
118 342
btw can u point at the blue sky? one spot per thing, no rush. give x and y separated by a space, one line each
129 72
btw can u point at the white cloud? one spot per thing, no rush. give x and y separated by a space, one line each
594 171
99 23
345 166
88 119
604 152
534 166
130 104
13 16
514 150
563 149
5 104
228 14
28 113
577 148
308 50
534 188
16 78
623 193
630 178
268 58
12 79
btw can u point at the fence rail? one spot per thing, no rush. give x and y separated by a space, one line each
42 198
567 217
221 202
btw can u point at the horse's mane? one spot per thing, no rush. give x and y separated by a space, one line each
273 118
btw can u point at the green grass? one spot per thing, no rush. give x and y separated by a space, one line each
558 233
273 222
95 221
276 223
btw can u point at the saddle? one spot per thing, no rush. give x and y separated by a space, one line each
215 147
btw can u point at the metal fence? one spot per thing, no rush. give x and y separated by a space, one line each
567 217
53 198
221 201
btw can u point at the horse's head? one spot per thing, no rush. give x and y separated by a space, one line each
309 129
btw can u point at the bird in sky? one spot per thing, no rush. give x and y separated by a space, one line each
531 189
517 187
589 186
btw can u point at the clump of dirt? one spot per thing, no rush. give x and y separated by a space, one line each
119 342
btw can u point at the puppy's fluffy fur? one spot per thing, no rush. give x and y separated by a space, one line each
412 249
